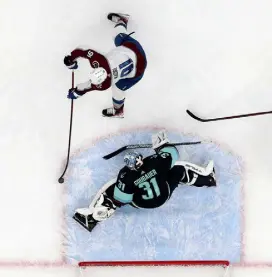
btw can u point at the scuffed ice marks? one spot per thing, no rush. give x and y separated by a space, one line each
196 223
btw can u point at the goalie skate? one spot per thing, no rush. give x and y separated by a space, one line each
85 219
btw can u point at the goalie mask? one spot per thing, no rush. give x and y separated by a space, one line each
98 76
133 160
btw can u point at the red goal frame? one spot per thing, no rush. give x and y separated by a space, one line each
222 263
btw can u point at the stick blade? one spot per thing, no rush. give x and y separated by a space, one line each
115 153
195 117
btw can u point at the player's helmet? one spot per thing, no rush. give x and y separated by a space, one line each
133 160
98 76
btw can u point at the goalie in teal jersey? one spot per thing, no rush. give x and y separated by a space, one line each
145 183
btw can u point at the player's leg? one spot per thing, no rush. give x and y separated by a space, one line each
101 208
122 37
118 100
118 97
120 29
192 174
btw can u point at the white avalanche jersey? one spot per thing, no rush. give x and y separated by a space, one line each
122 63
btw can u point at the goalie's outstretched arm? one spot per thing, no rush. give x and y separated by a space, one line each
163 147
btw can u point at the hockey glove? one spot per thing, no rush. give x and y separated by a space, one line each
159 140
70 63
72 94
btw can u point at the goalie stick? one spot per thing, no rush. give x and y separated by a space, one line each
227 117
136 146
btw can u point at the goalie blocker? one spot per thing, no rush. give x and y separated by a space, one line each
145 182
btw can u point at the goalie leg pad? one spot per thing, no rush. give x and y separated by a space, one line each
197 176
159 139
104 208
89 217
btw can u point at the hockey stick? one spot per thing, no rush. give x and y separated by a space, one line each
136 146
61 179
227 117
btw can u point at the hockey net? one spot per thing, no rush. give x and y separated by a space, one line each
156 268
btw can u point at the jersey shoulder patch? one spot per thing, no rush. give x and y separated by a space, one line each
123 173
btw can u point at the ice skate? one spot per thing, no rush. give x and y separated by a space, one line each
117 17
114 113
84 217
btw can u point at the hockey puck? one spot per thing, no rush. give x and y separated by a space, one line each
61 180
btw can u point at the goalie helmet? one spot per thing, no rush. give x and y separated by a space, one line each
98 76
133 160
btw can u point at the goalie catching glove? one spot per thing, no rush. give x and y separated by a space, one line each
159 140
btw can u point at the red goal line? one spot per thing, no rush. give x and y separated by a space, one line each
156 263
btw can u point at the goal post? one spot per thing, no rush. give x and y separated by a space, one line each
213 268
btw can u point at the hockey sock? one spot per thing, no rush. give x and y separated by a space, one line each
118 104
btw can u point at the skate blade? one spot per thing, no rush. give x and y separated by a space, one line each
120 117
83 225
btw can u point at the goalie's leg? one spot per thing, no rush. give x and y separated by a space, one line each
89 217
192 175
101 208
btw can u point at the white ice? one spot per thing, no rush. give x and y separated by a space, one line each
211 56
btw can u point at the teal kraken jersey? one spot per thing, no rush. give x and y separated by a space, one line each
147 187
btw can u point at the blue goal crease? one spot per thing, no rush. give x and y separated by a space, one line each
195 224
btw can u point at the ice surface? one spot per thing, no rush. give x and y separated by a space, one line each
218 55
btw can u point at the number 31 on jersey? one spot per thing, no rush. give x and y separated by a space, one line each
151 189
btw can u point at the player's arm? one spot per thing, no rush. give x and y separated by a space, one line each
80 90
71 62
124 188
83 88
94 57
164 148
100 78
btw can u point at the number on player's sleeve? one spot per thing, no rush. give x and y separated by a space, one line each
123 191
121 185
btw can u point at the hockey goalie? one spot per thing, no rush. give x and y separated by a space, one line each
120 69
145 183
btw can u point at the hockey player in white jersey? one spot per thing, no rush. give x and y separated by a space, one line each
120 69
